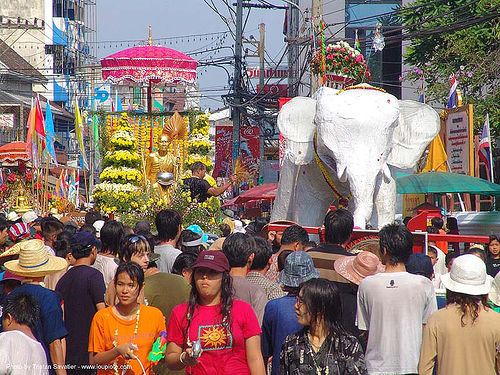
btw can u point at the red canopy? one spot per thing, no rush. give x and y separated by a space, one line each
266 191
13 152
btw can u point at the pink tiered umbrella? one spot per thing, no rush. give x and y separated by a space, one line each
149 64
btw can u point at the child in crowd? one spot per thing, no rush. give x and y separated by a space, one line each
493 260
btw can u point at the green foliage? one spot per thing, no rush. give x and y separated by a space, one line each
447 43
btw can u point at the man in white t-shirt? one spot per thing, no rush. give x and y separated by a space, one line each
393 306
20 352
168 224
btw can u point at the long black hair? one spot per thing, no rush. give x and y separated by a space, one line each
111 237
322 299
226 301
469 305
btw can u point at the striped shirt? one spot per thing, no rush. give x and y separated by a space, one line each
324 256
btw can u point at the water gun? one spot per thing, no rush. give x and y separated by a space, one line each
159 348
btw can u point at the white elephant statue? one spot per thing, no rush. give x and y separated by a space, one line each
347 145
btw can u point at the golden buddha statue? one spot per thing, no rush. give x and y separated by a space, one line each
22 204
159 162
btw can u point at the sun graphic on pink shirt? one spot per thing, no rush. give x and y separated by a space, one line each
213 337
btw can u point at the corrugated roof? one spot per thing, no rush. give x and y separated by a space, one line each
17 63
16 99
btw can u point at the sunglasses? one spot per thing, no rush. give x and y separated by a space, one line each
134 239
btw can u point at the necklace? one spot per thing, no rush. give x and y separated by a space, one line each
319 369
115 337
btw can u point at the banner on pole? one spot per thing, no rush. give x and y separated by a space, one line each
223 149
249 148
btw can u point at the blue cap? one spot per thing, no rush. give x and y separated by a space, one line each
197 229
299 268
419 264
84 239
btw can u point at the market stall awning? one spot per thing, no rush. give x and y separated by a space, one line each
13 152
445 182
266 191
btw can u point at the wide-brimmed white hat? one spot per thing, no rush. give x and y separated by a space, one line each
467 276
238 227
35 261
29 217
13 216
494 295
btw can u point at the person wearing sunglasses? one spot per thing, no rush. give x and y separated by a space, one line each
132 249
323 345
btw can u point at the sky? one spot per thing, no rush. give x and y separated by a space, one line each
129 20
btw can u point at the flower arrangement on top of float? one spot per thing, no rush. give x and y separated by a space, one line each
120 179
343 60
198 143
122 158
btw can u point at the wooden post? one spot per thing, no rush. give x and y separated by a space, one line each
86 185
45 201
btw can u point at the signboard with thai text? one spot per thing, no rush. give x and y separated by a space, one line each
457 124
254 72
7 120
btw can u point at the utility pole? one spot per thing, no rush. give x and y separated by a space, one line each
262 74
262 28
293 48
237 80
316 14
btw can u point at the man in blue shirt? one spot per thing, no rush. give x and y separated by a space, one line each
279 315
34 264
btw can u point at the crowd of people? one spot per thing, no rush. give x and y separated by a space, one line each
109 299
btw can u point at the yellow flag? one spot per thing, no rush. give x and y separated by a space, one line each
79 134
436 159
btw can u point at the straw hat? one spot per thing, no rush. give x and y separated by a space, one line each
356 268
229 222
217 244
13 250
467 276
35 261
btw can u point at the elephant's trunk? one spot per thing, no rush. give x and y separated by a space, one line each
362 199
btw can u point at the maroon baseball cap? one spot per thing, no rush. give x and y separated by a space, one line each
11 276
213 259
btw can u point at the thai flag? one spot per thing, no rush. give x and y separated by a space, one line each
484 149
452 95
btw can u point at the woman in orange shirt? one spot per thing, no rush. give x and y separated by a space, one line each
122 336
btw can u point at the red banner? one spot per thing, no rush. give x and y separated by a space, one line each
223 150
249 148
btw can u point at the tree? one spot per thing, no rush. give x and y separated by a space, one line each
461 38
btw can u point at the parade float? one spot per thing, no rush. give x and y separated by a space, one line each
135 184
344 147
146 154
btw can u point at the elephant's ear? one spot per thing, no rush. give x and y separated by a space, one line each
417 126
296 125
